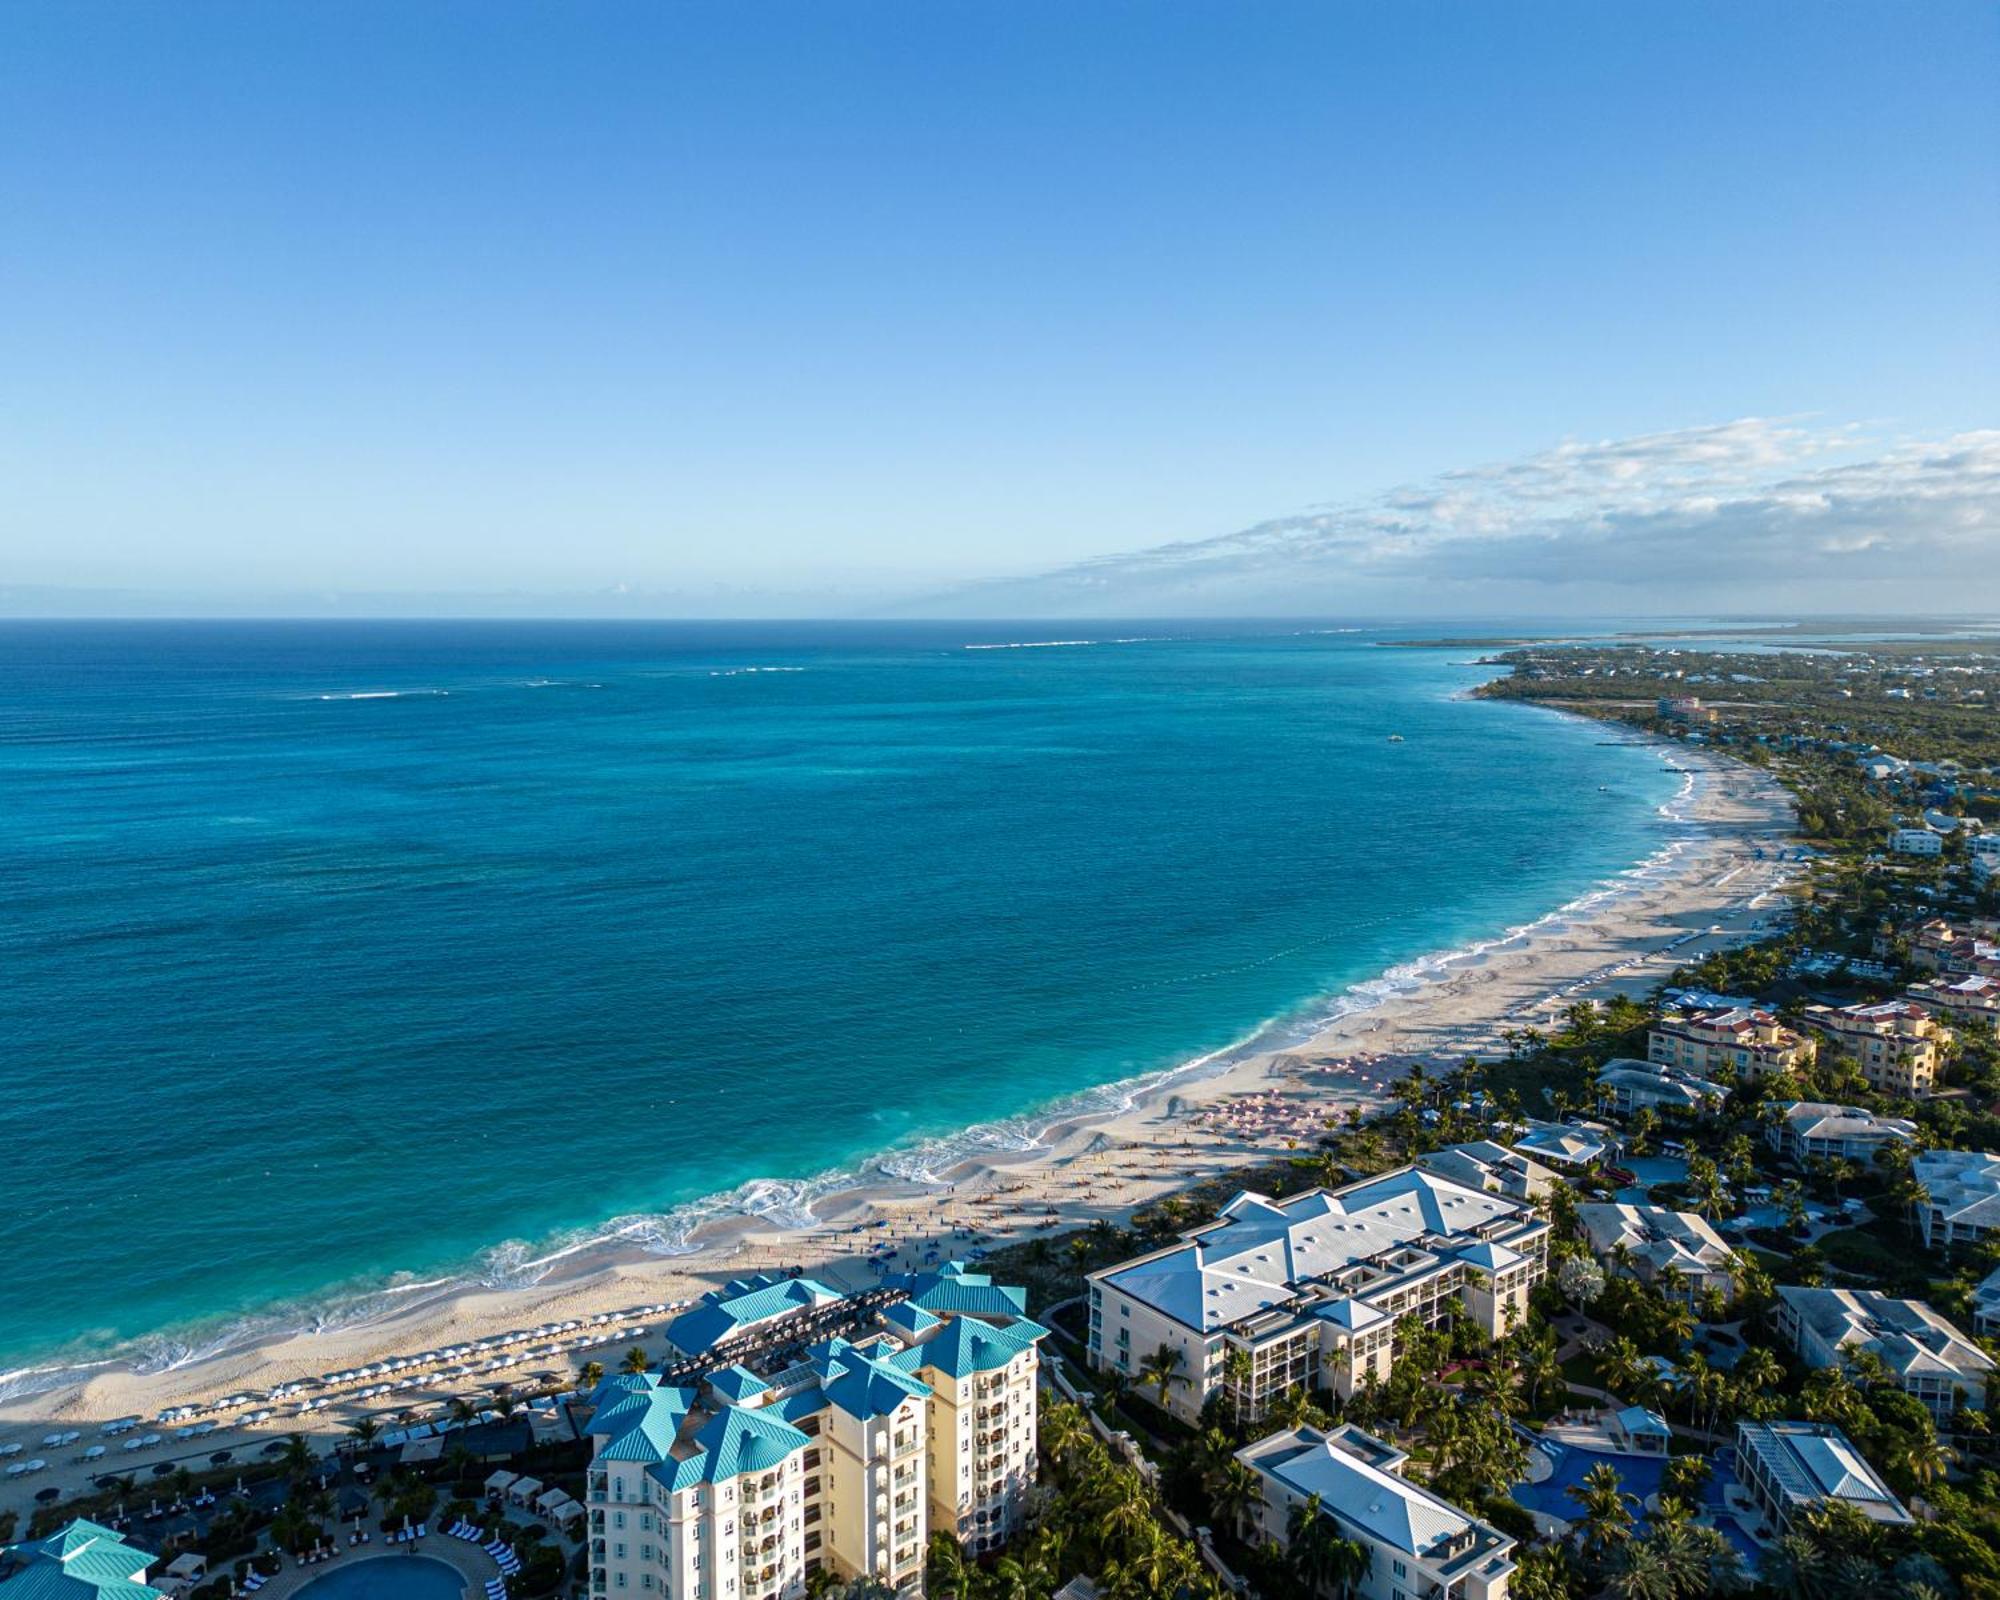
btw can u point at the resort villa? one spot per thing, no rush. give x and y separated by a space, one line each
1482 1164
1897 1044
1626 1085
1969 997
842 1454
1649 1241
83 1562
1809 1130
1417 1544
1307 1290
1749 1042
1960 1199
1915 842
1925 1354
1790 1467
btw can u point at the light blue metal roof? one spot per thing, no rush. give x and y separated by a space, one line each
86 1561
732 1442
637 1421
966 1345
736 1307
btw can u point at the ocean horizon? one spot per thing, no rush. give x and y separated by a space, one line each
360 956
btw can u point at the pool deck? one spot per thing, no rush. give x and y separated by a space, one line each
473 1565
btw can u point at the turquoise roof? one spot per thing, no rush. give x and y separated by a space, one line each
736 1307
954 1288
732 1442
737 1382
967 1345
909 1319
84 1562
862 1383
637 1421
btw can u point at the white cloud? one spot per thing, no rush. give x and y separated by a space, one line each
1751 514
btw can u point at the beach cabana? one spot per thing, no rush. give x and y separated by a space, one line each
498 1483
522 1491
1640 1432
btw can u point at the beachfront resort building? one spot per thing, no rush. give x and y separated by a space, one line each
722 1478
1812 1130
85 1561
1654 1244
1897 1044
1625 1085
1790 1467
1417 1543
1482 1164
1968 997
1306 1291
1925 1354
1703 1041
1915 842
1959 1196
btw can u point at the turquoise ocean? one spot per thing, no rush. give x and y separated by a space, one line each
337 957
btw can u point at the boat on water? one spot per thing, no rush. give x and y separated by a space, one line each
1395 738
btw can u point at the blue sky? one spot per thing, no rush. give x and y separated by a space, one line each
756 307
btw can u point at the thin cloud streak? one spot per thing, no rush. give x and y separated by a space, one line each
1757 512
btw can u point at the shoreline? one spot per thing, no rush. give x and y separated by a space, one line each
1105 1153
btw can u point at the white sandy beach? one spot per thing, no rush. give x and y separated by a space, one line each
1720 886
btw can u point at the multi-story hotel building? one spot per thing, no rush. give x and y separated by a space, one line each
1808 1130
1965 998
1751 1043
1959 1198
1792 1467
737 1480
1925 1354
1307 1290
1897 1044
1418 1544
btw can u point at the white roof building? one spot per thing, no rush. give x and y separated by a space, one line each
1419 1544
1568 1146
1809 1129
1790 1467
1310 1287
1925 1354
1961 1195
1915 842
1986 1305
1491 1167
1654 1239
1632 1085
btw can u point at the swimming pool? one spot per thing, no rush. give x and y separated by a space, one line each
1641 1477
387 1577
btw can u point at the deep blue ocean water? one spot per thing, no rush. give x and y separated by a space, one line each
338 952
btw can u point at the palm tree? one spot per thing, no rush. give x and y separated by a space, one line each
1641 1575
1607 1519
591 1376
1064 1432
297 1457
635 1361
1540 1364
947 1574
1236 1489
1620 1366
1315 1548
1925 1459
1237 1370
364 1431
1162 1369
